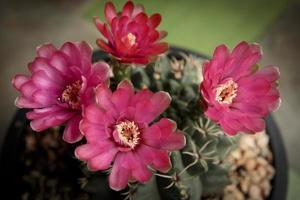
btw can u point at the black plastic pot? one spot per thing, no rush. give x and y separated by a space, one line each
10 176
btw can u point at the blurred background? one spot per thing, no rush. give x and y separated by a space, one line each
195 24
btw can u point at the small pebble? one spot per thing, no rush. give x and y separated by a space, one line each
251 169
255 192
251 164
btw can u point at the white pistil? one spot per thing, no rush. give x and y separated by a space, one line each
128 133
131 39
225 93
71 95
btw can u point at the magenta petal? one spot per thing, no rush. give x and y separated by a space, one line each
42 64
162 161
253 87
240 49
59 61
93 132
19 80
102 161
42 81
46 50
77 54
155 20
121 97
103 29
162 101
103 45
43 112
39 64
128 8
141 173
141 95
228 129
128 113
174 142
163 135
87 151
24 102
139 170
254 124
96 115
51 120
221 54
269 73
28 89
44 98
93 113
100 73
212 69
246 67
144 112
156 48
68 52
141 18
71 133
213 114
104 98
85 50
147 110
242 59
250 108
158 159
140 60
137 10
127 86
153 36
119 175
110 11
171 139
272 100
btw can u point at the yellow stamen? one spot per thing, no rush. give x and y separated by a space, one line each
71 95
225 93
128 133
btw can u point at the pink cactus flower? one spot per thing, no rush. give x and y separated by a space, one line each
131 35
238 94
61 83
119 130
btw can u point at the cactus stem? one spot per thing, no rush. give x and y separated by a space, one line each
132 188
200 130
184 129
211 127
211 158
163 176
201 122
216 133
170 185
210 152
189 153
205 145
188 166
204 164
207 124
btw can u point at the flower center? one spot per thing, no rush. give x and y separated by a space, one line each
129 40
225 93
128 134
71 95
